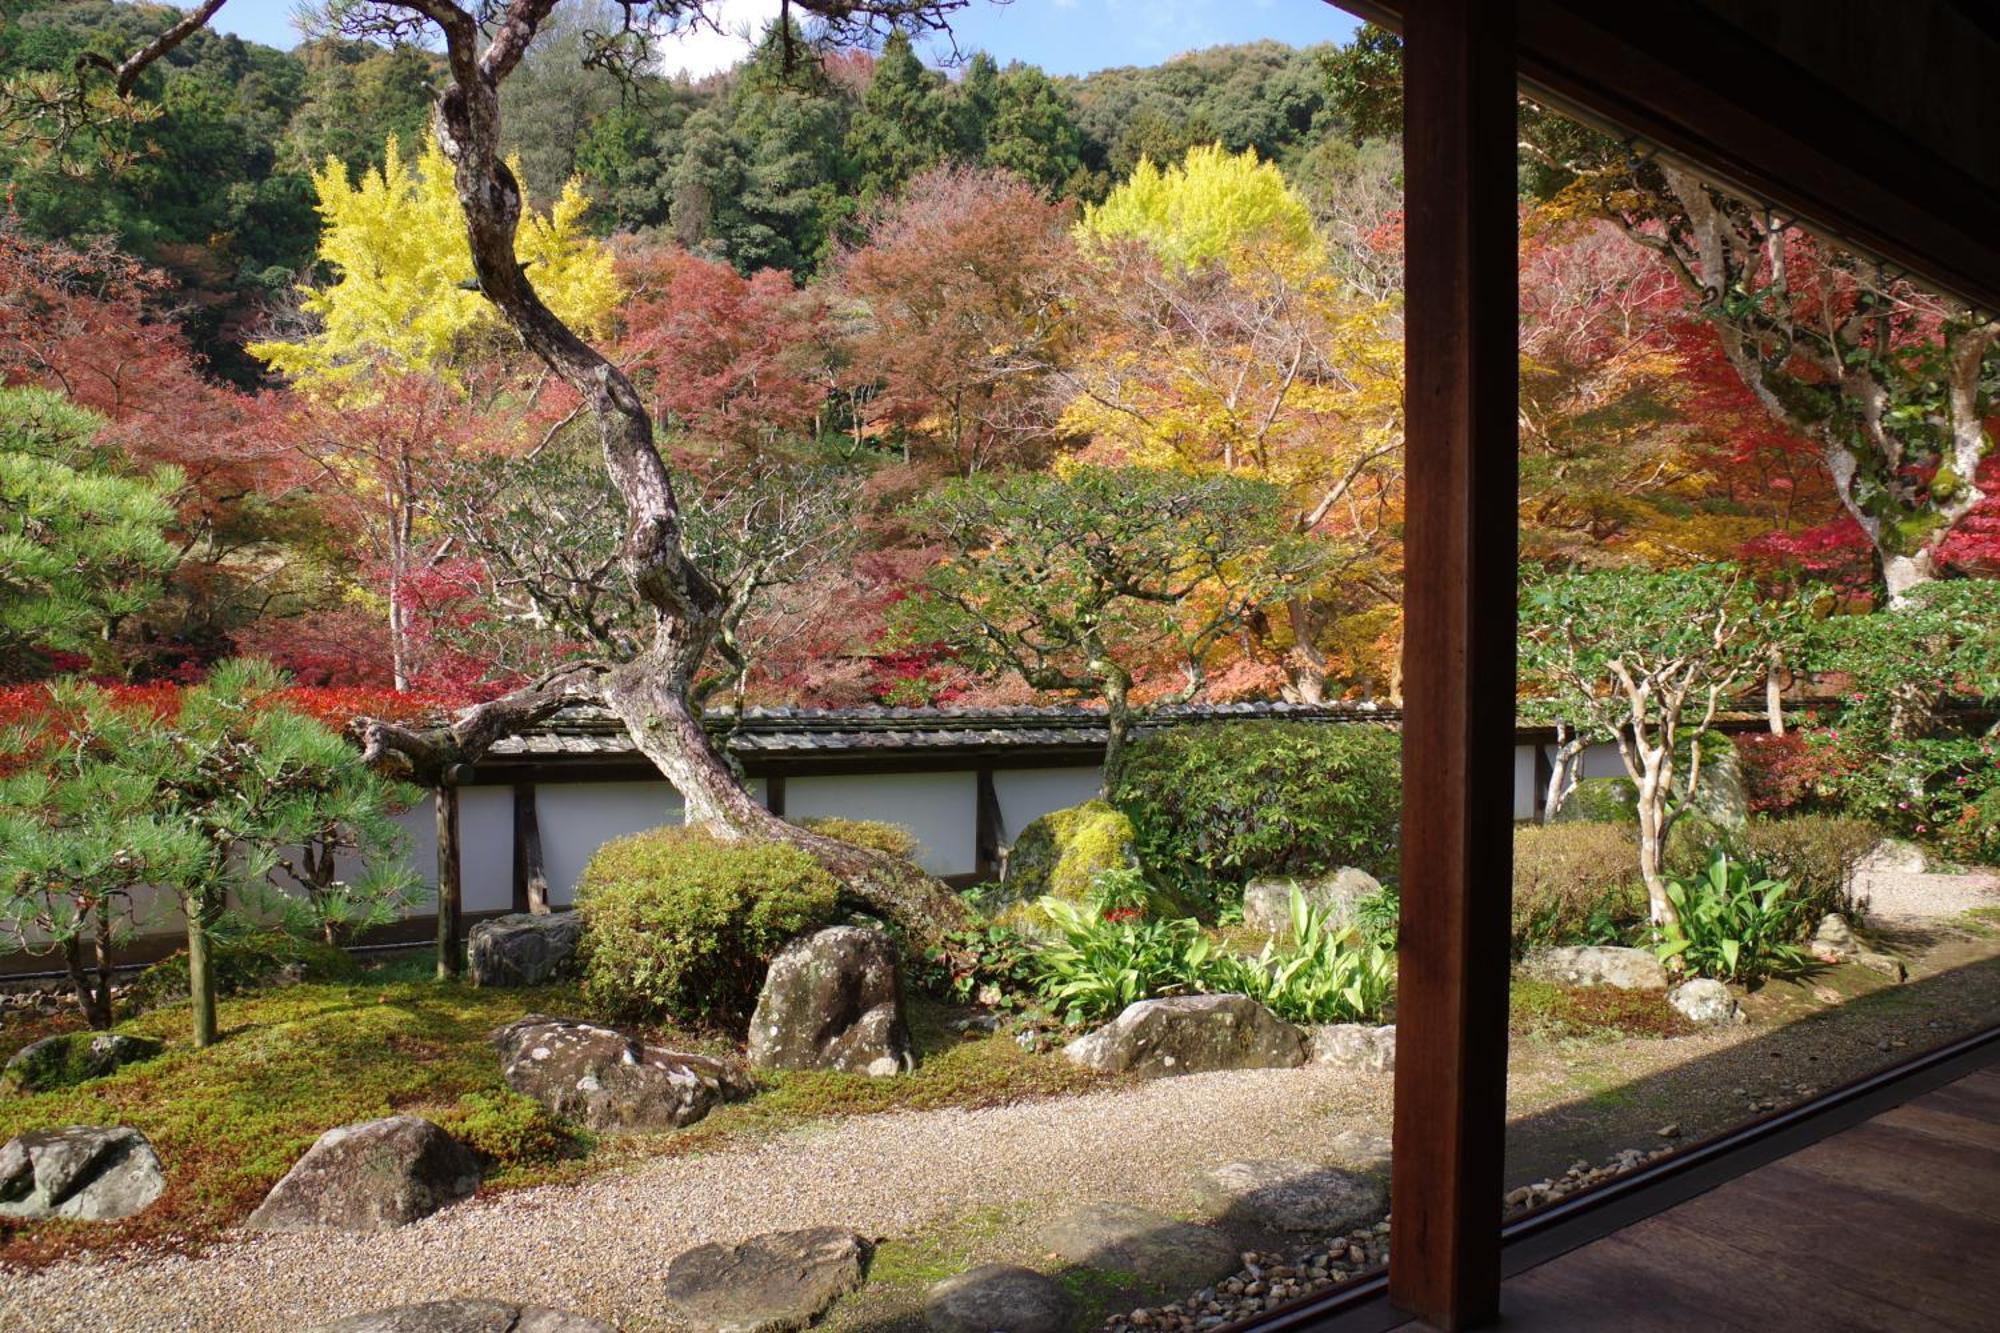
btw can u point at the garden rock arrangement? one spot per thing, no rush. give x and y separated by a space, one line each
1191 1034
1835 942
466 1316
372 1176
833 1000
1267 903
72 1057
1157 1250
86 1173
1702 1000
1363 1046
1264 1282
775 1283
1598 965
997 1296
607 1081
1292 1195
523 949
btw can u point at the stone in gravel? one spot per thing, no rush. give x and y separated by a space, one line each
1191 1034
1365 1046
833 1000
1292 1195
776 1283
466 1316
1155 1248
1836 942
997 1298
1362 1148
1267 903
86 1173
372 1176
1893 856
1598 965
523 949
71 1057
607 1081
1702 1000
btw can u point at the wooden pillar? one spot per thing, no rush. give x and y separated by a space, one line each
1458 656
531 880
986 832
450 956
774 794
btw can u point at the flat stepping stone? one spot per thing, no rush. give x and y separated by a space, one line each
1293 1195
466 1316
1155 1248
775 1283
997 1298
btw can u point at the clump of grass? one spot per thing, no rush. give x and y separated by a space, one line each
1542 1009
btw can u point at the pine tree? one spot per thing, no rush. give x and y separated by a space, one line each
905 123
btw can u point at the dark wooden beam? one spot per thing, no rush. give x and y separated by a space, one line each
986 827
531 880
450 954
774 794
1458 684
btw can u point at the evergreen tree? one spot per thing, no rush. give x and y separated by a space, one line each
905 123
82 548
1032 132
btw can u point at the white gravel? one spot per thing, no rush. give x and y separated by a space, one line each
1907 898
601 1247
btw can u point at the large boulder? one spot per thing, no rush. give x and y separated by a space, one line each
833 1000
1061 854
605 1080
775 1283
1191 1034
1598 965
1368 1047
72 1057
998 1297
1156 1249
86 1173
1292 1195
1704 1000
373 1176
524 949
470 1315
1267 903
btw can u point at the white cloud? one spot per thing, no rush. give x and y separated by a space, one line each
703 50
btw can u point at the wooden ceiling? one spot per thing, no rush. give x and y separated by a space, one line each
1875 120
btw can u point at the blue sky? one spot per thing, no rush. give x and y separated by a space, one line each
1062 36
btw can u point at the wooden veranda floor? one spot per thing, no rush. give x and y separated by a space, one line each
1892 1224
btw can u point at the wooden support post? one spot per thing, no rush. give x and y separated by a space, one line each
774 794
450 956
986 832
1458 684
531 880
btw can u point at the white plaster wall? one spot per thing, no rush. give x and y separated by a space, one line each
1602 761
485 849
940 808
577 818
1526 797
1026 794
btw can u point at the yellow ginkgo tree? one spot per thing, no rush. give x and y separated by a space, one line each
1220 338
403 299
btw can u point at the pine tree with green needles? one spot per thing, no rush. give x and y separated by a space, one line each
82 548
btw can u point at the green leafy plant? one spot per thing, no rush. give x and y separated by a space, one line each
1731 926
1223 804
1099 966
1379 916
1574 883
984 965
1817 854
874 834
679 923
1321 973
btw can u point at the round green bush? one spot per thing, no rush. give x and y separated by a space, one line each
680 924
1226 803
1602 801
875 834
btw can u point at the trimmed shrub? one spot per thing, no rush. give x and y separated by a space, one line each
874 834
679 924
1816 854
1575 884
1601 801
263 958
507 1129
1222 804
1062 854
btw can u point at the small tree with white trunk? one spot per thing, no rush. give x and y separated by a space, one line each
1647 657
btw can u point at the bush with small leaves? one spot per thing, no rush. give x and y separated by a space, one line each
679 924
507 1129
874 834
1574 883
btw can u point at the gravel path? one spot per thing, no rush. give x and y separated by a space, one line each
601 1247
1905 898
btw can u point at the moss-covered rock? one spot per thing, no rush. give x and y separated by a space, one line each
69 1058
1061 854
